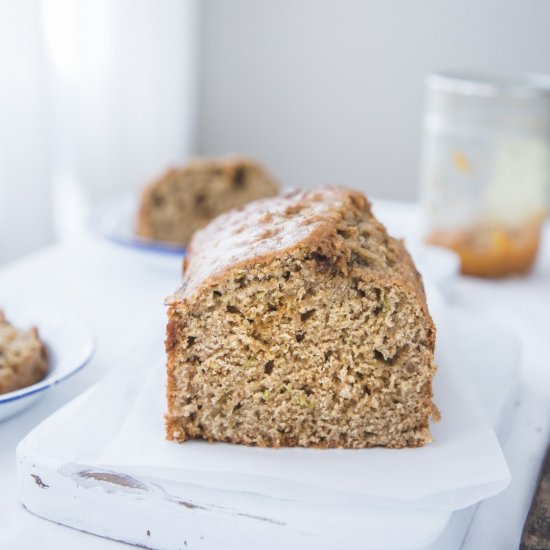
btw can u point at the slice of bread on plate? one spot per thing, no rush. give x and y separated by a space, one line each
182 200
23 359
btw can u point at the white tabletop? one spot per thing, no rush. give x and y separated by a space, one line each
119 292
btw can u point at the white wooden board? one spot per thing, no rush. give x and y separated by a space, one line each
60 481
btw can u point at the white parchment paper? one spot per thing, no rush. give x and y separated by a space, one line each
463 466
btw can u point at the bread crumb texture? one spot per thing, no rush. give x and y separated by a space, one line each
23 359
300 322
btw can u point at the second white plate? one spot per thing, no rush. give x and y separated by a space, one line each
116 220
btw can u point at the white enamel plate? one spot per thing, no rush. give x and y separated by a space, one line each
69 346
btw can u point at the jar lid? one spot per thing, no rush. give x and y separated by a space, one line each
490 84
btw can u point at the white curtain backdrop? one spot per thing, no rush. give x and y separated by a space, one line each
97 96
25 145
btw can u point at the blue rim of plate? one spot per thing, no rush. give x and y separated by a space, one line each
145 244
113 220
46 383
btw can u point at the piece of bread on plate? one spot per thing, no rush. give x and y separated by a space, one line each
23 359
182 200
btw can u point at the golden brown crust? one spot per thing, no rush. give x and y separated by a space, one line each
270 228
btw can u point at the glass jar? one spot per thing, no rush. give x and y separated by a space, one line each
485 171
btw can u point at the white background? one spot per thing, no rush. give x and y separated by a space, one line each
332 91
98 96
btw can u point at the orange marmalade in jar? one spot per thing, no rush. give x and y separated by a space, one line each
485 175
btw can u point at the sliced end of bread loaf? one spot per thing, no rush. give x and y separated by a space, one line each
321 341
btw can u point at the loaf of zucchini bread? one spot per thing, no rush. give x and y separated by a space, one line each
300 322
